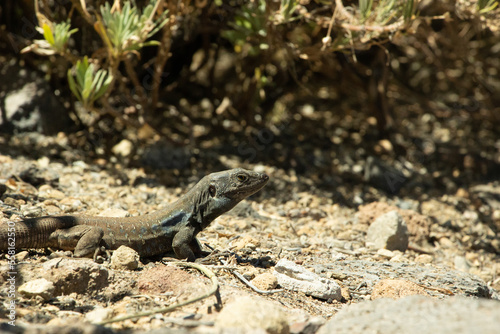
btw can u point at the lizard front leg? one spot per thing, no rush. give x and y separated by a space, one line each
181 244
197 249
83 239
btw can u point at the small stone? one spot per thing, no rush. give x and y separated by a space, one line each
346 294
398 257
67 317
424 258
21 256
462 264
473 216
99 314
292 276
418 224
385 253
123 148
125 258
265 281
345 235
250 313
246 242
461 192
47 192
446 243
496 215
388 231
70 204
309 326
38 287
386 145
250 273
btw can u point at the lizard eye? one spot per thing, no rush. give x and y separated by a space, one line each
212 191
242 177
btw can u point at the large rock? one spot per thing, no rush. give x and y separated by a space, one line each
68 275
247 314
417 314
29 103
39 287
292 276
441 281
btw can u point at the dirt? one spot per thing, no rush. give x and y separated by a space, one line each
294 217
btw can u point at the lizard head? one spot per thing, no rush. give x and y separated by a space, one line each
235 184
220 192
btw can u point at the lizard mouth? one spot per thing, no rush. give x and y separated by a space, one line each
255 184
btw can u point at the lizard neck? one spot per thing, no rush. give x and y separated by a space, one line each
202 206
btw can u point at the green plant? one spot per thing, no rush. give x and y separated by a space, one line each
485 6
365 8
249 29
127 29
287 9
55 40
59 36
408 10
89 84
385 11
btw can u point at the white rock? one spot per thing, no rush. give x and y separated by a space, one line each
38 287
292 276
265 281
123 148
461 263
253 315
385 253
125 258
388 231
99 314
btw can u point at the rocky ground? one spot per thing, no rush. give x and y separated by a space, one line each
390 265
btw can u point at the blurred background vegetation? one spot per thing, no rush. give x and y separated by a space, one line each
336 87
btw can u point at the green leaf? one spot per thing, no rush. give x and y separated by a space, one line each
47 34
104 86
150 43
87 86
81 68
365 7
72 85
408 10
129 29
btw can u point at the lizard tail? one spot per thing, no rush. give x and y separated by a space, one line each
31 233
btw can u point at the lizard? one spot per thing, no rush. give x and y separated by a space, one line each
172 228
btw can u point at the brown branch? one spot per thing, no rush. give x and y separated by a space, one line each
107 109
161 59
81 8
135 80
389 28
340 7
